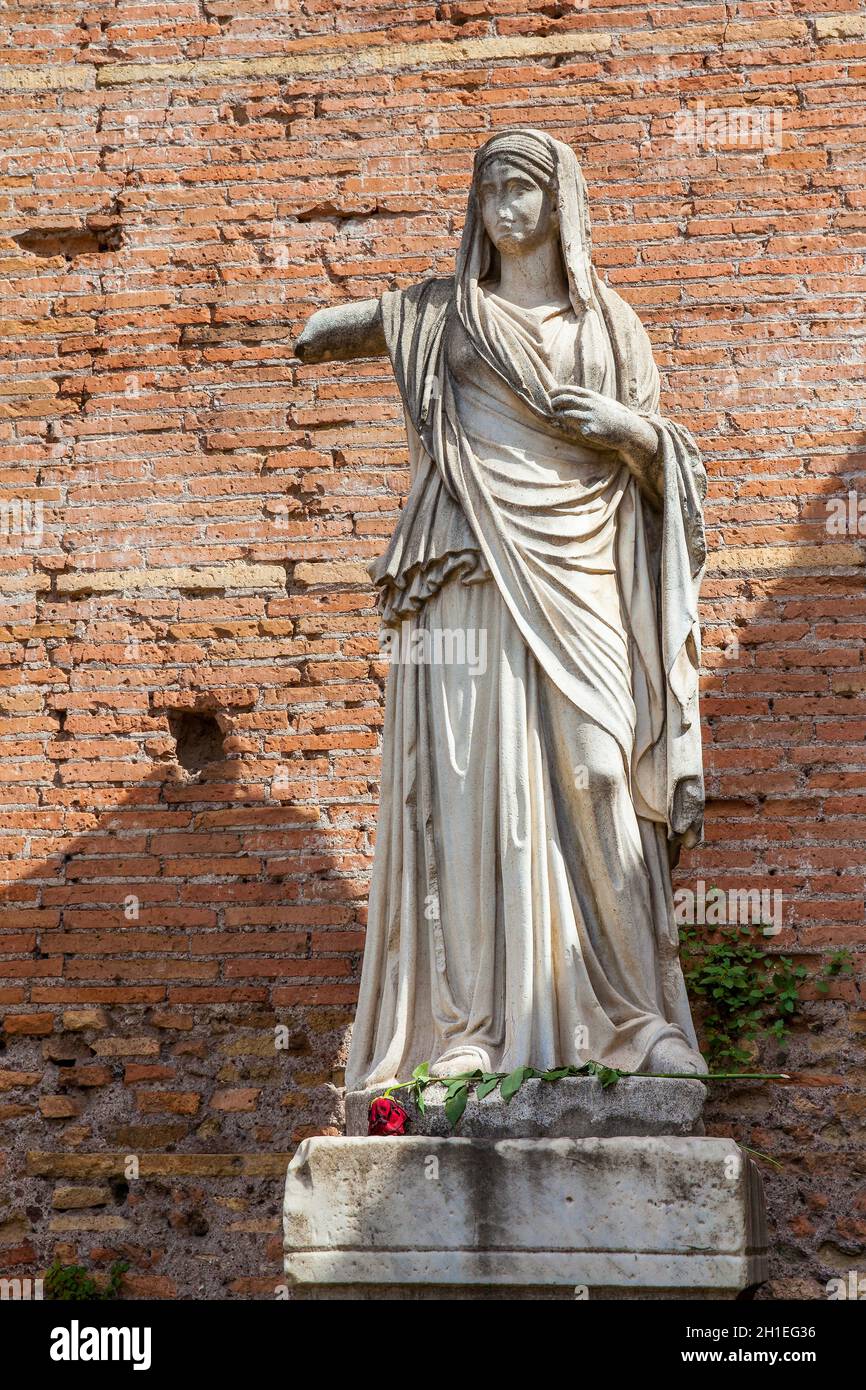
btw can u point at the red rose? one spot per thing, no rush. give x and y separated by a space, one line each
386 1117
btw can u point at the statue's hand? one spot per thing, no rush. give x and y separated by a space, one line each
597 420
687 817
603 423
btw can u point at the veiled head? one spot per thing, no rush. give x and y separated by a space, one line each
518 208
527 188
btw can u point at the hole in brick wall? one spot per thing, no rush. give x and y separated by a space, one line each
119 1190
198 739
70 241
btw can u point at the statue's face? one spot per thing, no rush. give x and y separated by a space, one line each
518 214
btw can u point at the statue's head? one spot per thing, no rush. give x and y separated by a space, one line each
517 204
527 189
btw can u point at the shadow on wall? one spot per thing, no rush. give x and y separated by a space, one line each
176 987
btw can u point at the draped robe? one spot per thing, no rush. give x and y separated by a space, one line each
521 899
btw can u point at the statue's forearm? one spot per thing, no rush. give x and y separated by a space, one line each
640 452
339 334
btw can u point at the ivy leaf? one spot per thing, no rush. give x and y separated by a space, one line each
455 1103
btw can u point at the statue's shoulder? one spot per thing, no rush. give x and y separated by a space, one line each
433 293
637 373
413 321
440 288
621 314
413 318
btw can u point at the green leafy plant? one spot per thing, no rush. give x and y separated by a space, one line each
746 992
72 1283
840 966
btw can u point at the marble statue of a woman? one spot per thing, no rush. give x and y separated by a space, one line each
532 804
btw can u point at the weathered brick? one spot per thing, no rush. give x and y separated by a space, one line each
240 1099
28 1025
72 1198
59 1107
78 1020
168 1102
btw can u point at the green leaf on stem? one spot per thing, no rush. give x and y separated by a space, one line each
455 1103
608 1076
559 1073
513 1082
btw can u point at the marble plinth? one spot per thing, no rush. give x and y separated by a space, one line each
424 1217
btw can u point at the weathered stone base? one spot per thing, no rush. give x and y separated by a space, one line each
577 1107
424 1217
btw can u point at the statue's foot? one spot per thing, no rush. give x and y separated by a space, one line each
458 1060
673 1055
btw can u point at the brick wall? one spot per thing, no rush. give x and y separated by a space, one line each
190 700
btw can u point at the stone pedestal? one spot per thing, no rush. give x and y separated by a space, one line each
424 1217
577 1107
